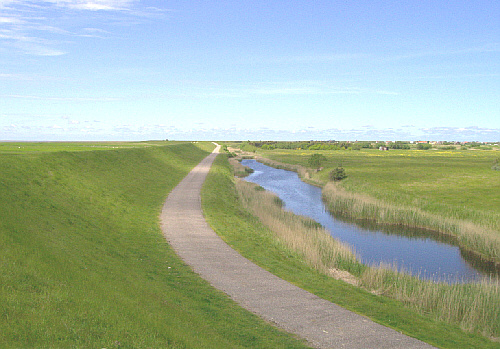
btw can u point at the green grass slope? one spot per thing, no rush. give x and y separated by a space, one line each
83 262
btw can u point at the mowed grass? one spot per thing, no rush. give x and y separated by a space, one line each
83 262
247 234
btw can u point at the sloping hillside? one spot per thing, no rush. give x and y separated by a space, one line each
83 262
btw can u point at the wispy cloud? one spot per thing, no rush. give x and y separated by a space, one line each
28 27
460 76
67 128
469 133
304 90
291 88
63 99
95 33
17 77
96 5
492 47
37 49
328 57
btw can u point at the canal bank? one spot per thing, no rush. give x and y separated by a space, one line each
228 215
415 251
322 323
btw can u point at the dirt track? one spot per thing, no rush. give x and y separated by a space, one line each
322 323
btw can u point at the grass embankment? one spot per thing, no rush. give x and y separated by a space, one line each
451 192
83 262
288 258
43 147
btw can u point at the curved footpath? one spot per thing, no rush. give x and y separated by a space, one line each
322 323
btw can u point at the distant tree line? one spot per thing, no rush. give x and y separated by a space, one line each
325 145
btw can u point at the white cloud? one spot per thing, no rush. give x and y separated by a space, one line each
94 33
288 89
18 77
3 3
77 131
486 48
94 5
470 133
63 99
28 21
389 93
10 20
35 49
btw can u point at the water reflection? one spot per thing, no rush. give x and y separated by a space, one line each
485 267
418 251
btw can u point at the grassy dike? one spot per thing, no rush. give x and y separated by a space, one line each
83 263
227 216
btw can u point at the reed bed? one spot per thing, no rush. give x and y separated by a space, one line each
474 307
303 172
480 240
239 170
483 240
298 233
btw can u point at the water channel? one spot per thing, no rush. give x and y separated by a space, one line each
416 251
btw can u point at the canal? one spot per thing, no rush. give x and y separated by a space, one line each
416 251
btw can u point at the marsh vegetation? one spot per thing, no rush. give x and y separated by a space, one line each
299 250
474 307
452 192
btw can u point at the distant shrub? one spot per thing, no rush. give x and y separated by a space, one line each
246 146
496 165
399 145
424 146
337 174
269 146
315 160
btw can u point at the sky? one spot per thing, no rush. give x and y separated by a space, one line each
249 70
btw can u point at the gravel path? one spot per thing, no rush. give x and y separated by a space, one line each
322 323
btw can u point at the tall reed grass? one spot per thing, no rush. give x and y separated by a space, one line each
480 240
301 234
239 169
474 307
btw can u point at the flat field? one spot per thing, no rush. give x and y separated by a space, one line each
454 192
459 184
83 263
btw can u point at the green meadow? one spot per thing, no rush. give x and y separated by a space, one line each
83 263
296 250
36 147
454 192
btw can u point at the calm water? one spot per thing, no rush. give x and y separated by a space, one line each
416 251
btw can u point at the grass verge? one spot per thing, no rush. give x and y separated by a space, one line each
247 234
83 262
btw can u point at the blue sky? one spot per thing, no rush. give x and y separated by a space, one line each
259 70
